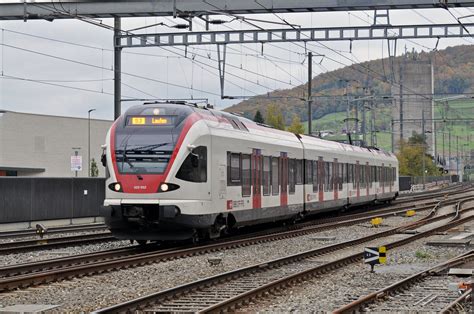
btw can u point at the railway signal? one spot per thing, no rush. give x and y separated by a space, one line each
374 256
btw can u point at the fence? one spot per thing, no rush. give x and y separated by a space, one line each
30 199
416 183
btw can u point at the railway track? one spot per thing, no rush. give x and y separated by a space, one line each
36 273
229 291
50 243
54 230
426 291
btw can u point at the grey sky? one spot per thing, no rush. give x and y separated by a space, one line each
168 67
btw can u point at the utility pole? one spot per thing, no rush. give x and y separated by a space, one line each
393 136
373 134
401 99
310 78
117 69
89 142
457 156
424 146
449 149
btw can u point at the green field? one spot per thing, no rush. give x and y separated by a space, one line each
457 109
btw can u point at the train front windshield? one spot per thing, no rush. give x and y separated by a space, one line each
145 141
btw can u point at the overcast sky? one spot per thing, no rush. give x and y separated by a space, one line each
23 55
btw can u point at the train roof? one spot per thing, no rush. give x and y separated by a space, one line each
239 123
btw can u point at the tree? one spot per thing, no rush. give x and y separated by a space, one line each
94 169
296 126
258 117
275 117
411 154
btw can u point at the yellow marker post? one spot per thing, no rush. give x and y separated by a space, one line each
410 213
382 254
376 221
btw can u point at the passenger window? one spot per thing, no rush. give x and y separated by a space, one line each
308 179
291 176
266 175
194 167
299 171
233 169
315 176
275 176
340 176
246 175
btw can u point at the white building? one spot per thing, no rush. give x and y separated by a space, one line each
42 145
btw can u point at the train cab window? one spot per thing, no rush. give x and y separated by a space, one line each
315 176
291 175
308 170
194 167
266 178
299 171
246 175
275 176
233 169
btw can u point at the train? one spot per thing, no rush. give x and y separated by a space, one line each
178 171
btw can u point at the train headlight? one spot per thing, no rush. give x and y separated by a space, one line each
164 187
167 187
116 187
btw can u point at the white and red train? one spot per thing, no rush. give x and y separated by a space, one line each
177 171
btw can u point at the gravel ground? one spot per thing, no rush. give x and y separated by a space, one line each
94 292
337 288
39 255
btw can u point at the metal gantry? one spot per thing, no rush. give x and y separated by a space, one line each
64 9
376 32
189 9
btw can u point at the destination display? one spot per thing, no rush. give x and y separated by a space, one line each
150 120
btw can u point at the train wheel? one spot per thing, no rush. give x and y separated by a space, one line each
142 242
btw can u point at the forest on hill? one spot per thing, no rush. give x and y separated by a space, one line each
453 74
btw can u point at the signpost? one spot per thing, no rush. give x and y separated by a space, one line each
374 256
76 162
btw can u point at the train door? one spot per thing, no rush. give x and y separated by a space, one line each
357 179
335 171
257 178
321 176
284 179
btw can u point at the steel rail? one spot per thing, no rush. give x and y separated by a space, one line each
24 275
406 282
231 303
357 304
452 307
53 230
21 246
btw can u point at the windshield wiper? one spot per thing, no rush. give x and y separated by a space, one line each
150 147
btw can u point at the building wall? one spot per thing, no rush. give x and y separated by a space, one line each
418 88
40 141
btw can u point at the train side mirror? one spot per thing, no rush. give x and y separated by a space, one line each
103 160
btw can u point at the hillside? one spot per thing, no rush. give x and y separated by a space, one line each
453 72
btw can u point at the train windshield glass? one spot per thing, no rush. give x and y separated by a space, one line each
147 148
